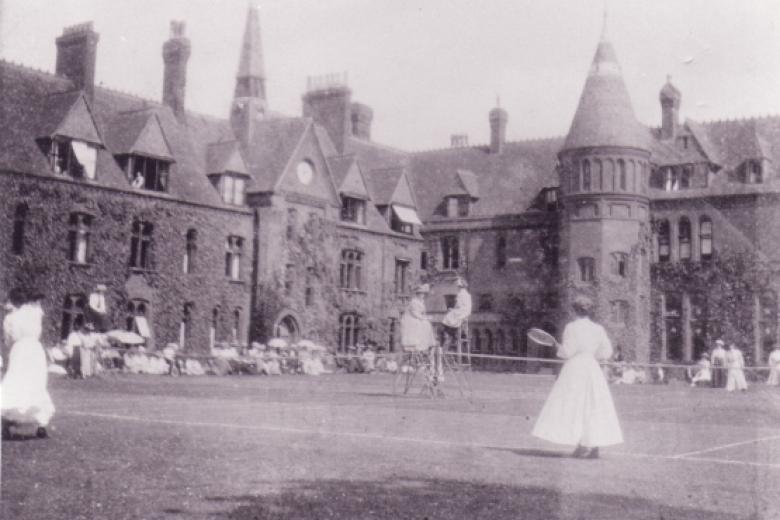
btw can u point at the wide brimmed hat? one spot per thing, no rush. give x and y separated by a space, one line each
101 287
422 288
460 282
720 342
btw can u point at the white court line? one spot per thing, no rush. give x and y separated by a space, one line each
374 436
725 446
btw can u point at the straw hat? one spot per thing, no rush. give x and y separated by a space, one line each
720 342
101 287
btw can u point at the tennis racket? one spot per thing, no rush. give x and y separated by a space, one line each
541 337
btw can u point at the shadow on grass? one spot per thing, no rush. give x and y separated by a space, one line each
441 499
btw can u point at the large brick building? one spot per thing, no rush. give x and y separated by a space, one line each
260 224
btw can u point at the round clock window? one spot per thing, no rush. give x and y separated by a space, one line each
305 172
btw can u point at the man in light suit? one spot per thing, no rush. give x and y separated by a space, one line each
457 315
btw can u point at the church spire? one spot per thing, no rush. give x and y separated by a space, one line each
250 80
249 102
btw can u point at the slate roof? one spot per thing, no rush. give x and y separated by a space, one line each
273 143
33 101
507 183
219 155
66 120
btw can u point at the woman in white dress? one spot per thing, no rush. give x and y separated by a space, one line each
774 367
25 396
735 375
579 410
416 329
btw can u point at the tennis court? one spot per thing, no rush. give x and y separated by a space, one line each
343 446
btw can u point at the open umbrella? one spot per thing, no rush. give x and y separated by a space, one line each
306 343
126 337
277 343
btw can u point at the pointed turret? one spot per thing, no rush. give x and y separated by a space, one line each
604 116
249 102
250 80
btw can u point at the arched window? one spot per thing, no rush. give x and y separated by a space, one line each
767 317
185 327
608 181
477 340
598 175
72 313
349 328
586 175
575 180
20 222
622 174
705 237
141 245
136 317
213 327
488 341
350 276
587 267
79 232
235 330
500 341
515 341
620 264
632 177
190 249
663 241
450 252
684 237
234 250
501 252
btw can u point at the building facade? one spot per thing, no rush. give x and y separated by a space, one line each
259 225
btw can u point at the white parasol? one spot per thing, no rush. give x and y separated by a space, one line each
306 343
277 343
126 337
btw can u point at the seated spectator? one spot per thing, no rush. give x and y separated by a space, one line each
169 355
774 367
701 372
354 366
368 360
272 365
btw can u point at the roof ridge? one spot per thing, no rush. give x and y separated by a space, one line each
30 68
487 145
379 145
735 119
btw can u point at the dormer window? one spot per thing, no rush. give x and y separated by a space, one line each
403 219
145 173
73 158
551 199
751 172
671 179
232 188
458 206
353 210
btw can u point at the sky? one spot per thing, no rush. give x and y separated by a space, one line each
432 68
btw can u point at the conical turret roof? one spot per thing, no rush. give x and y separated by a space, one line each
604 116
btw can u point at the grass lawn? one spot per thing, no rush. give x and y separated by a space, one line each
343 446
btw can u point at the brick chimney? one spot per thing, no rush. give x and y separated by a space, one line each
176 52
459 140
327 102
498 118
77 55
670 99
362 115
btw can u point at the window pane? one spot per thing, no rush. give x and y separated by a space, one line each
227 189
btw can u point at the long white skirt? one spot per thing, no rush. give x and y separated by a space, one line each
774 376
25 396
579 409
415 333
735 380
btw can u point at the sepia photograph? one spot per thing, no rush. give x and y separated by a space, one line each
390 259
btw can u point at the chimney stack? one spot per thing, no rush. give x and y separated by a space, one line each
327 102
459 140
362 115
176 53
77 55
670 108
498 118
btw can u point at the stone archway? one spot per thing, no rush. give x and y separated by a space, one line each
287 327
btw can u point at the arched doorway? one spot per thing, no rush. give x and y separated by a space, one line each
287 328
